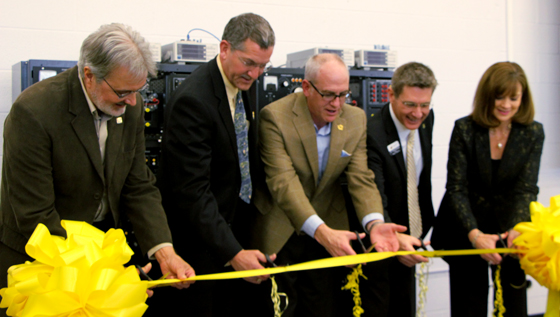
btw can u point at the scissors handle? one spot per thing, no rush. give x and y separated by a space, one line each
269 261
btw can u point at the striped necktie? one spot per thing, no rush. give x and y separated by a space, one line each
414 217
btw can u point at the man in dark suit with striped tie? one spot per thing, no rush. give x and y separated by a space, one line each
399 146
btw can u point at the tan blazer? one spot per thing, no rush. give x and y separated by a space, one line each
288 146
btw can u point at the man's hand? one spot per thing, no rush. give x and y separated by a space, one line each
384 236
487 241
337 242
251 260
147 269
407 243
173 264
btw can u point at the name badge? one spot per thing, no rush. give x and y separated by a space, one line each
394 148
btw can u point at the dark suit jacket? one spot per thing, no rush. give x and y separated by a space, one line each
390 170
288 144
200 177
473 199
52 166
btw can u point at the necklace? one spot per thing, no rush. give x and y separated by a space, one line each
504 135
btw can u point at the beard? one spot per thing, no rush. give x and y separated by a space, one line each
111 109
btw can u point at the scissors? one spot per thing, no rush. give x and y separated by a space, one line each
368 250
145 277
503 244
269 262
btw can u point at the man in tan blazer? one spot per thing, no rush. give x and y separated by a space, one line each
307 141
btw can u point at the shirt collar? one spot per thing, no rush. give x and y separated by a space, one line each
325 130
231 90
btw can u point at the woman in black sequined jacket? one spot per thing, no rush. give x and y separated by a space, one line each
492 173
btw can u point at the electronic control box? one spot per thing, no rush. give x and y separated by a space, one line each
383 59
189 52
298 59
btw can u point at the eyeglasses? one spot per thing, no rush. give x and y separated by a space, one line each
123 94
330 96
252 65
412 105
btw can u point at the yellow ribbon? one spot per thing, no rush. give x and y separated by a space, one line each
347 260
353 285
277 298
422 277
82 275
540 239
499 300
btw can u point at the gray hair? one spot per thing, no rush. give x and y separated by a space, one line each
116 45
248 26
315 62
413 74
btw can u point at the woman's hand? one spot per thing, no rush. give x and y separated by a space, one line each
481 240
511 236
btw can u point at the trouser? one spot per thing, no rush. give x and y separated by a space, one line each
469 284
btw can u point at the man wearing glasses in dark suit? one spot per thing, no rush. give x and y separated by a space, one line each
399 146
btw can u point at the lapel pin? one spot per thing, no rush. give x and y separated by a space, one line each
119 120
340 127
423 126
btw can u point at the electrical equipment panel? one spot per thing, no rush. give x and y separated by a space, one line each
277 83
369 88
374 94
159 92
26 73
376 59
298 59
188 51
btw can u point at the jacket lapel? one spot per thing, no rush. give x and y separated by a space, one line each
83 121
307 134
223 106
338 136
393 136
512 158
483 154
425 140
114 140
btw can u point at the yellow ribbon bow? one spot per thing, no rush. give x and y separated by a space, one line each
541 239
82 275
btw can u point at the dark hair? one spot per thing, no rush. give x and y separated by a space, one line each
501 80
413 74
248 26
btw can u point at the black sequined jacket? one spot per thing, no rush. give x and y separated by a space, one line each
473 198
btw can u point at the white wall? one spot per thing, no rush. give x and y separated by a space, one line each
459 40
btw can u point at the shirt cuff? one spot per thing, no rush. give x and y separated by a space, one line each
156 249
311 224
371 217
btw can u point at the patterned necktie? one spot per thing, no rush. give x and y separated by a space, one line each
241 130
414 217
